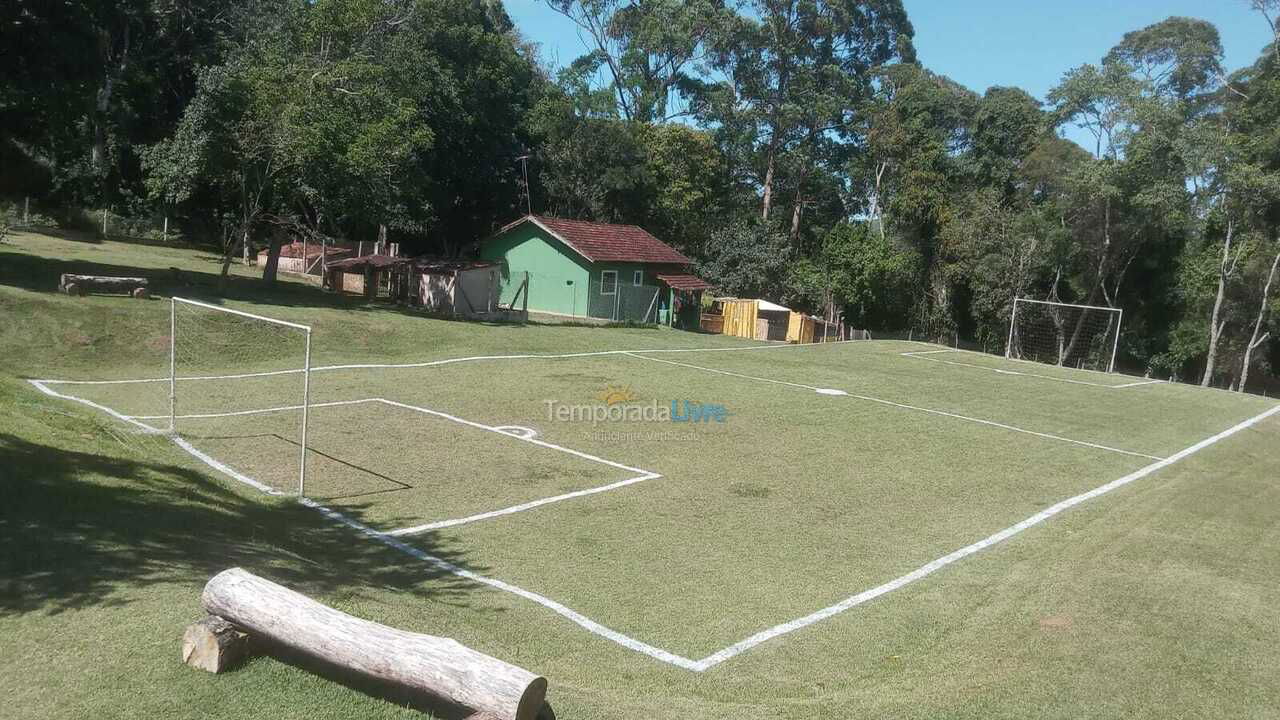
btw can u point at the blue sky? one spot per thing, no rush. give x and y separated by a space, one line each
980 43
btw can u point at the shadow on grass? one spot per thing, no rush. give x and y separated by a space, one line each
80 529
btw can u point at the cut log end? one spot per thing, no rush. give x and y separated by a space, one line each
213 645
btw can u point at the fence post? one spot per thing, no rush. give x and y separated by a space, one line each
166 228
104 222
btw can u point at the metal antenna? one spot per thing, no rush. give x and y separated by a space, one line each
528 202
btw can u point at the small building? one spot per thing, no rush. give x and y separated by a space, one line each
304 258
371 276
458 287
763 320
574 268
468 288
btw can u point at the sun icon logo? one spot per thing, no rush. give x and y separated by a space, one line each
617 395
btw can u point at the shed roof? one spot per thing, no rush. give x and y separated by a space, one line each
441 265
605 242
377 261
684 282
295 250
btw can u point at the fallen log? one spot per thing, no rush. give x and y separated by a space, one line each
213 644
73 284
436 665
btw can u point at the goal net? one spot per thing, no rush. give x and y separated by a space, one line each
1078 336
239 391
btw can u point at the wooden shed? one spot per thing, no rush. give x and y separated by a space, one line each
459 287
755 319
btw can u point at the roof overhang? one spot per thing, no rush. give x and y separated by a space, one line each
683 281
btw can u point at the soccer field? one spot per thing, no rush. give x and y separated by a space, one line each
689 505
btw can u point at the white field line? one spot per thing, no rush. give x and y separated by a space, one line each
642 475
1001 371
574 616
434 363
419 529
260 411
581 620
1137 384
932 567
426 527
931 411
40 385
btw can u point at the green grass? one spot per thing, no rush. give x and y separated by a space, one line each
1154 600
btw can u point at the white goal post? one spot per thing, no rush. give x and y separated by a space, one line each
1064 334
218 356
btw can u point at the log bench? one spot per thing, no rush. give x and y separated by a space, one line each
73 284
243 607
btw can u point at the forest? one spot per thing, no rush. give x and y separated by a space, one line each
796 149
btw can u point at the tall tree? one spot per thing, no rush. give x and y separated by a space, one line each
796 74
649 50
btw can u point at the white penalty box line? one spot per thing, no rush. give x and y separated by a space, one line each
521 434
923 355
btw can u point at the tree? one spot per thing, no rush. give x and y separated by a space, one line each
84 84
647 49
868 276
916 140
751 259
796 77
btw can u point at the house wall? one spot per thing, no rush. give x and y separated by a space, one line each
561 281
476 291
558 277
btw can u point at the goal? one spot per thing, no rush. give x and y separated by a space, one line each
239 392
1078 336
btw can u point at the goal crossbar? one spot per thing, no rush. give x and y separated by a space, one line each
1070 305
305 369
241 313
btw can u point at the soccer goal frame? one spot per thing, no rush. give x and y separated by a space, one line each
1115 343
305 370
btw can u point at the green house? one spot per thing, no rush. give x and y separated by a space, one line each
576 268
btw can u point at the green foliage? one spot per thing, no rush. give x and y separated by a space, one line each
751 259
858 269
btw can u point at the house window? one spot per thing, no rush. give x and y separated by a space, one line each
637 279
609 282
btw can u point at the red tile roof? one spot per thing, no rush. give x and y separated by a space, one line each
684 282
608 243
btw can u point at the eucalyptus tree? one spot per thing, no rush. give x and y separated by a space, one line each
793 76
650 51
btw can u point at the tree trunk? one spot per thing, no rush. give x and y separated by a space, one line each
273 259
768 177
213 645
1215 326
115 65
1093 292
228 251
1258 338
437 665
80 284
